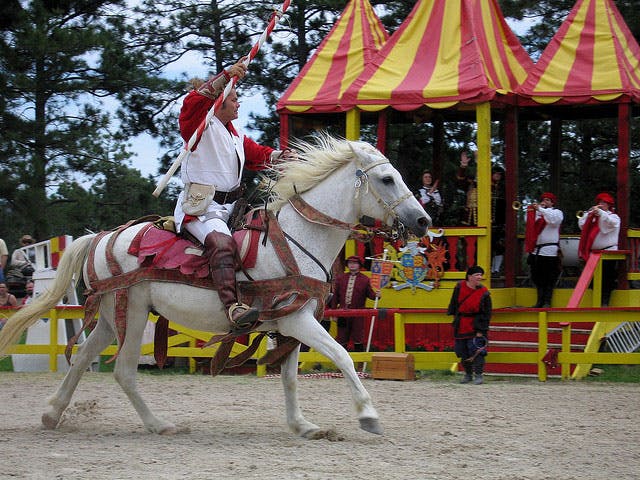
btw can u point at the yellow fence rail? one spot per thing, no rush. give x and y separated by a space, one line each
184 342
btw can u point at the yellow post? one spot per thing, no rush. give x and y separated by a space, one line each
353 124
596 294
483 118
261 370
565 367
53 340
192 361
543 335
398 326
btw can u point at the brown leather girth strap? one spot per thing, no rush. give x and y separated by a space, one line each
160 339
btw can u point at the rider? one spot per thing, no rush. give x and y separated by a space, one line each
211 175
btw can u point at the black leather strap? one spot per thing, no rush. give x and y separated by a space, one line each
227 197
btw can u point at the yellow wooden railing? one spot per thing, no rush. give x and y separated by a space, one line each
183 344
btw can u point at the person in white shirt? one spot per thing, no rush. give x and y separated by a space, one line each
212 176
600 227
542 242
429 197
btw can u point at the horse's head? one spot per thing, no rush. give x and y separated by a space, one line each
382 192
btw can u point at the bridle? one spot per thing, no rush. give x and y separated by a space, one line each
362 181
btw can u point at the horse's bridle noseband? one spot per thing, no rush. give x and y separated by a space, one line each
363 178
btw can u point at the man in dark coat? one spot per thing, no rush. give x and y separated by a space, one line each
471 309
351 290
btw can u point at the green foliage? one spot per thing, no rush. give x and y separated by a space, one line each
6 365
616 373
59 59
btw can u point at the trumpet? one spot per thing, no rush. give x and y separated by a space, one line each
580 213
517 205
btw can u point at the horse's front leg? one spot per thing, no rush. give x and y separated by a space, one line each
98 340
296 421
309 331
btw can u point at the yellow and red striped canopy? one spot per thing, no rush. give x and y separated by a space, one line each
593 56
337 62
445 52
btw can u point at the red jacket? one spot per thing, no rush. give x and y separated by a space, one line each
361 291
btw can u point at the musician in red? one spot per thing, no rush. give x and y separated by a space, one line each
471 308
351 290
212 175
542 243
600 227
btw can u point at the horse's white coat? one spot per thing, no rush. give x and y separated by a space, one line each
333 194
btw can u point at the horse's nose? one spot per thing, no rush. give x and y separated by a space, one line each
423 225
424 222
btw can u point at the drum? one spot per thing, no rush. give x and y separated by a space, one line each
569 247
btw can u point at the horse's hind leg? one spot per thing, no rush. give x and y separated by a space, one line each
126 369
98 340
296 421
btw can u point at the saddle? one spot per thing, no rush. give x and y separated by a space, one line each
159 246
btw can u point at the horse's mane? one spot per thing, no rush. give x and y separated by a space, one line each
316 160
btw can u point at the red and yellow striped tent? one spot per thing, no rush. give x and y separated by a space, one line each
592 58
337 62
444 53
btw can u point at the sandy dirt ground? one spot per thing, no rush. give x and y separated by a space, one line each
234 428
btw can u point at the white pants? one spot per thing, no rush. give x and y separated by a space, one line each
200 230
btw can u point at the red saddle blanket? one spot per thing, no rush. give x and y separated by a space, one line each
159 248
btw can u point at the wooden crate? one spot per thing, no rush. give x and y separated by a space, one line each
393 366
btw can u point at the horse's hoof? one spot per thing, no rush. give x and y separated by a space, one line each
163 428
49 422
371 425
168 430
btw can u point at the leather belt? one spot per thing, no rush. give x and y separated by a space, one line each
228 197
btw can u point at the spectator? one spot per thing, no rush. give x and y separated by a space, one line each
351 291
470 306
466 184
29 286
600 227
498 216
542 243
212 175
4 256
429 197
22 260
6 299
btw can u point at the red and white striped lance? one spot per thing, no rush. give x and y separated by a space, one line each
195 138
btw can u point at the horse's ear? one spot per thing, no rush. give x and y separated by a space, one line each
363 150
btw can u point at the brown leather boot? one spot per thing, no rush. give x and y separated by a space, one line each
220 249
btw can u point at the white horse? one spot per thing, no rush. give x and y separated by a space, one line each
343 180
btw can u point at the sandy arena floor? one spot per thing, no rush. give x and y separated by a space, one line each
234 428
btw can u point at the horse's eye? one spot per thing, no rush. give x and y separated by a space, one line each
387 180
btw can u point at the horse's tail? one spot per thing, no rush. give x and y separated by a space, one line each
70 264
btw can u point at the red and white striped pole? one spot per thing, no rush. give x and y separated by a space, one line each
195 138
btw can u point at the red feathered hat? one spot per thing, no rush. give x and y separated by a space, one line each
550 196
605 197
355 258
